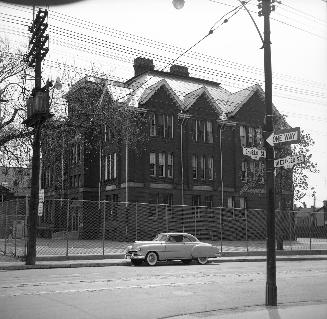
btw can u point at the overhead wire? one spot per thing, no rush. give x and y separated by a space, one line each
133 38
230 75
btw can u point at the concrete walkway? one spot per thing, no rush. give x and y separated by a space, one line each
48 262
287 311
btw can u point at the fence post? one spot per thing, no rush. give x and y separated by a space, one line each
67 226
103 226
136 221
6 214
221 230
195 211
166 215
25 224
246 230
16 227
290 228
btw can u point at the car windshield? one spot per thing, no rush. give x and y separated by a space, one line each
160 237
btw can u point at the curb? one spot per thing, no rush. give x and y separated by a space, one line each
125 262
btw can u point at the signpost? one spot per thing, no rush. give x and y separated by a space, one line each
285 136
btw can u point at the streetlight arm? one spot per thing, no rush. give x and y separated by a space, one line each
260 35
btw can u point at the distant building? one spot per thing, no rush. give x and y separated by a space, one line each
16 180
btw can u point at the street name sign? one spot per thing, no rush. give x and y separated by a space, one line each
41 195
254 152
285 136
40 209
289 161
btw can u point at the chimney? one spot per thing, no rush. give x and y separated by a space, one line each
142 65
325 203
179 70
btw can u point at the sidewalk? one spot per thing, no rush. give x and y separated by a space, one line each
49 262
287 311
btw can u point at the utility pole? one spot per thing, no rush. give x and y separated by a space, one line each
37 113
271 288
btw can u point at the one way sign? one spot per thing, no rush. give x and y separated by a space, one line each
286 136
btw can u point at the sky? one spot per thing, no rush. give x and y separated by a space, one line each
106 35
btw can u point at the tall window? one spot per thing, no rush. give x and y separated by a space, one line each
161 127
106 168
209 132
194 166
194 130
170 165
115 166
170 126
231 202
210 168
162 165
244 172
203 167
251 136
105 133
252 170
110 166
243 135
242 202
201 131
153 125
152 164
258 136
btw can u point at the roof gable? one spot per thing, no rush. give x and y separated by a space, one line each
193 96
151 90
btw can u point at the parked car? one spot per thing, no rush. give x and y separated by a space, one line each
171 246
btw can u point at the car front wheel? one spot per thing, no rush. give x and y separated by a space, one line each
202 260
151 258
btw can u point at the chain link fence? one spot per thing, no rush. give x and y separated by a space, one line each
73 227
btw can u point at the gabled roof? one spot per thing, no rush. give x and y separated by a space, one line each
151 90
238 99
193 96
184 91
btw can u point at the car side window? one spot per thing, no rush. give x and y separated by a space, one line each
171 239
176 238
186 239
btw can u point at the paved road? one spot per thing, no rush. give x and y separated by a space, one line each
167 290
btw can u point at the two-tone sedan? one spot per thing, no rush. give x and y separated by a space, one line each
171 246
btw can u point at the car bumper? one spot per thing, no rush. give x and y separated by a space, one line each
134 255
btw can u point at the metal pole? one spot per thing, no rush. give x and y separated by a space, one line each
6 228
103 226
67 225
135 221
271 288
182 166
246 230
16 227
221 230
221 168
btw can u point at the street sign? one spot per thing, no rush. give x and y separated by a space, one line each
254 152
41 195
285 136
289 161
40 209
